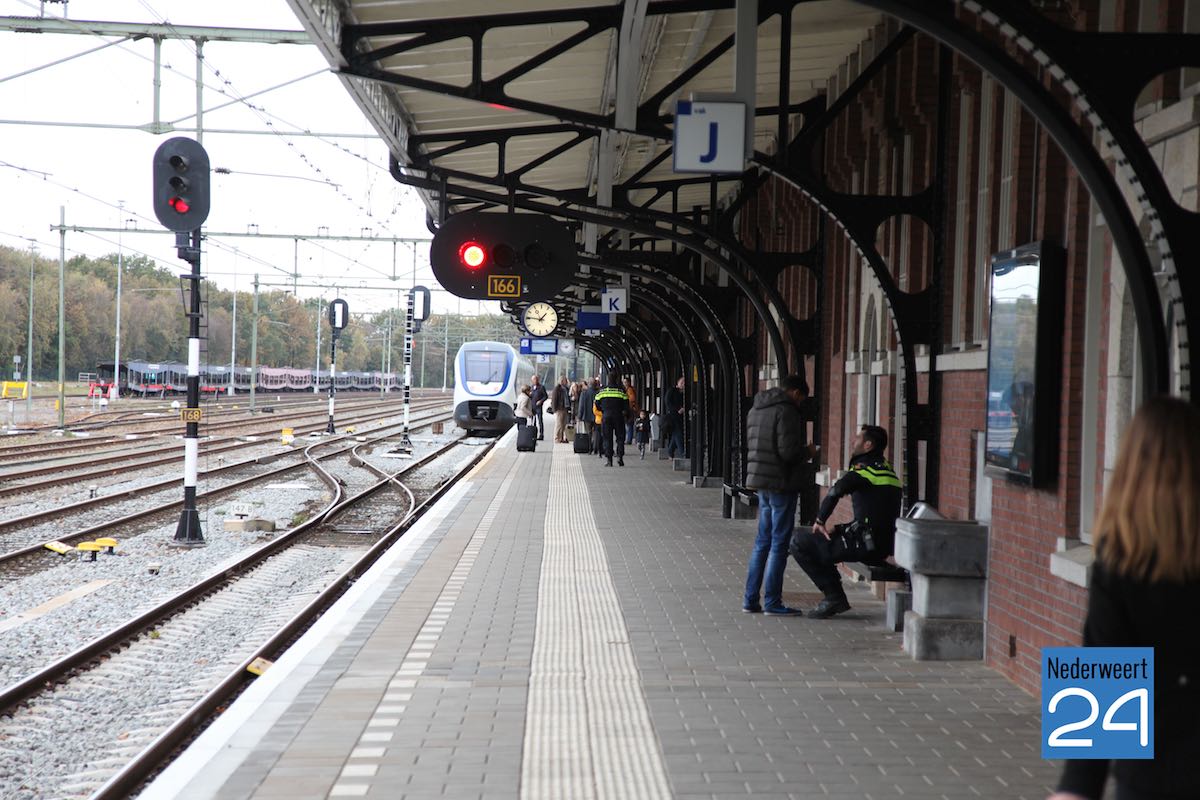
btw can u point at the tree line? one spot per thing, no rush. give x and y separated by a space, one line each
154 328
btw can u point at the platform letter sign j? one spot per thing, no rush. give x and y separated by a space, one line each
708 157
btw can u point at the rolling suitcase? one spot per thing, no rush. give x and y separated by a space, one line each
582 443
526 438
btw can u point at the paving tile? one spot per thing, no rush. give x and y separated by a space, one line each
740 705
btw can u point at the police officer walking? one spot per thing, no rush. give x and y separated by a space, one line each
613 405
875 494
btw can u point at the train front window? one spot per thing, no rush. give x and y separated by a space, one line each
484 366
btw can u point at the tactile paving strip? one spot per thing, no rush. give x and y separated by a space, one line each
587 725
368 756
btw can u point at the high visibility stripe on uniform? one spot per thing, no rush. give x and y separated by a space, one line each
883 476
606 393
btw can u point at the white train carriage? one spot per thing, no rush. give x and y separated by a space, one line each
487 376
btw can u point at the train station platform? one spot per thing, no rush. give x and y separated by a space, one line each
557 629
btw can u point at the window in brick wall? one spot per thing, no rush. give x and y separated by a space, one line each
1191 24
962 208
1008 178
1123 391
983 212
1094 310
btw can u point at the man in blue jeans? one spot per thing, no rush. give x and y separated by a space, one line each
777 450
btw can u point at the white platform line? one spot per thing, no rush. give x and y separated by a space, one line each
587 726
387 714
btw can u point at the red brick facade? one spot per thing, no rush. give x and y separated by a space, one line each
885 143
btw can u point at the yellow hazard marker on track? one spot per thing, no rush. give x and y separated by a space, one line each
58 547
259 665
289 435
109 545
91 548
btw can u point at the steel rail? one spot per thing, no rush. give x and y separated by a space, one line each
215 446
60 669
196 718
92 501
90 532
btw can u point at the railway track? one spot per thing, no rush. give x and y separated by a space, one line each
114 463
171 650
167 423
19 560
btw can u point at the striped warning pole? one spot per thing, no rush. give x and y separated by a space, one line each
188 532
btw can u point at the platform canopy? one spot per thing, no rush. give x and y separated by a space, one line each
509 96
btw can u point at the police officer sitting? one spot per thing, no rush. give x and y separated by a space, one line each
875 494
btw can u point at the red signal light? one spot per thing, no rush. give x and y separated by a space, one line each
180 205
472 255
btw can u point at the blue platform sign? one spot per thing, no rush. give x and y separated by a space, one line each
1098 702
709 136
531 346
590 318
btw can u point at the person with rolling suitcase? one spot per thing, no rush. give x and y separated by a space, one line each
526 430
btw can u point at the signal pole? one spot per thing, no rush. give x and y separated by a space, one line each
339 314
181 203
254 344
188 532
29 344
62 316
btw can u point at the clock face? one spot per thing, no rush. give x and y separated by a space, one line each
540 319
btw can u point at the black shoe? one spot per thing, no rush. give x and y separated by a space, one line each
783 611
608 463
830 606
620 462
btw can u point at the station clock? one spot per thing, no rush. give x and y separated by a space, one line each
540 319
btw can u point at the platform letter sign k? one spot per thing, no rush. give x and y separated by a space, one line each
614 301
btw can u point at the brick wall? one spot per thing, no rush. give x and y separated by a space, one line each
1028 608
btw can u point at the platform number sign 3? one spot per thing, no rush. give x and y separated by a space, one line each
1098 702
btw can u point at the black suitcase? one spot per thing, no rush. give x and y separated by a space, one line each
582 443
527 438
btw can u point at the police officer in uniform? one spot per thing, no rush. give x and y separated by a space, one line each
875 494
613 405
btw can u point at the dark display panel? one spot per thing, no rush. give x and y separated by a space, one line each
1024 359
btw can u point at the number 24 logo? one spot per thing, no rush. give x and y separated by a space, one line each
1142 726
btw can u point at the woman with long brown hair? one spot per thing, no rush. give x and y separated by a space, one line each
1145 592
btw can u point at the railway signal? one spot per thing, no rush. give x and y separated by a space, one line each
181 201
339 315
181 190
497 256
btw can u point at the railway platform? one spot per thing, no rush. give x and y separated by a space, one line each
556 629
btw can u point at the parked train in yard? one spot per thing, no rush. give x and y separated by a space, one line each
487 377
148 379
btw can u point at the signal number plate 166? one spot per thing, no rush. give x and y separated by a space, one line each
504 286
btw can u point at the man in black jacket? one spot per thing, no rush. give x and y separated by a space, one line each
875 493
538 397
674 418
777 449
560 404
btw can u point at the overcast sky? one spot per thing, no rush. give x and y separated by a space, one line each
92 170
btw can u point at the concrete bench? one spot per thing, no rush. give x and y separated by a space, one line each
947 560
738 502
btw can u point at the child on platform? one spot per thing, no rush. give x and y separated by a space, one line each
641 431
